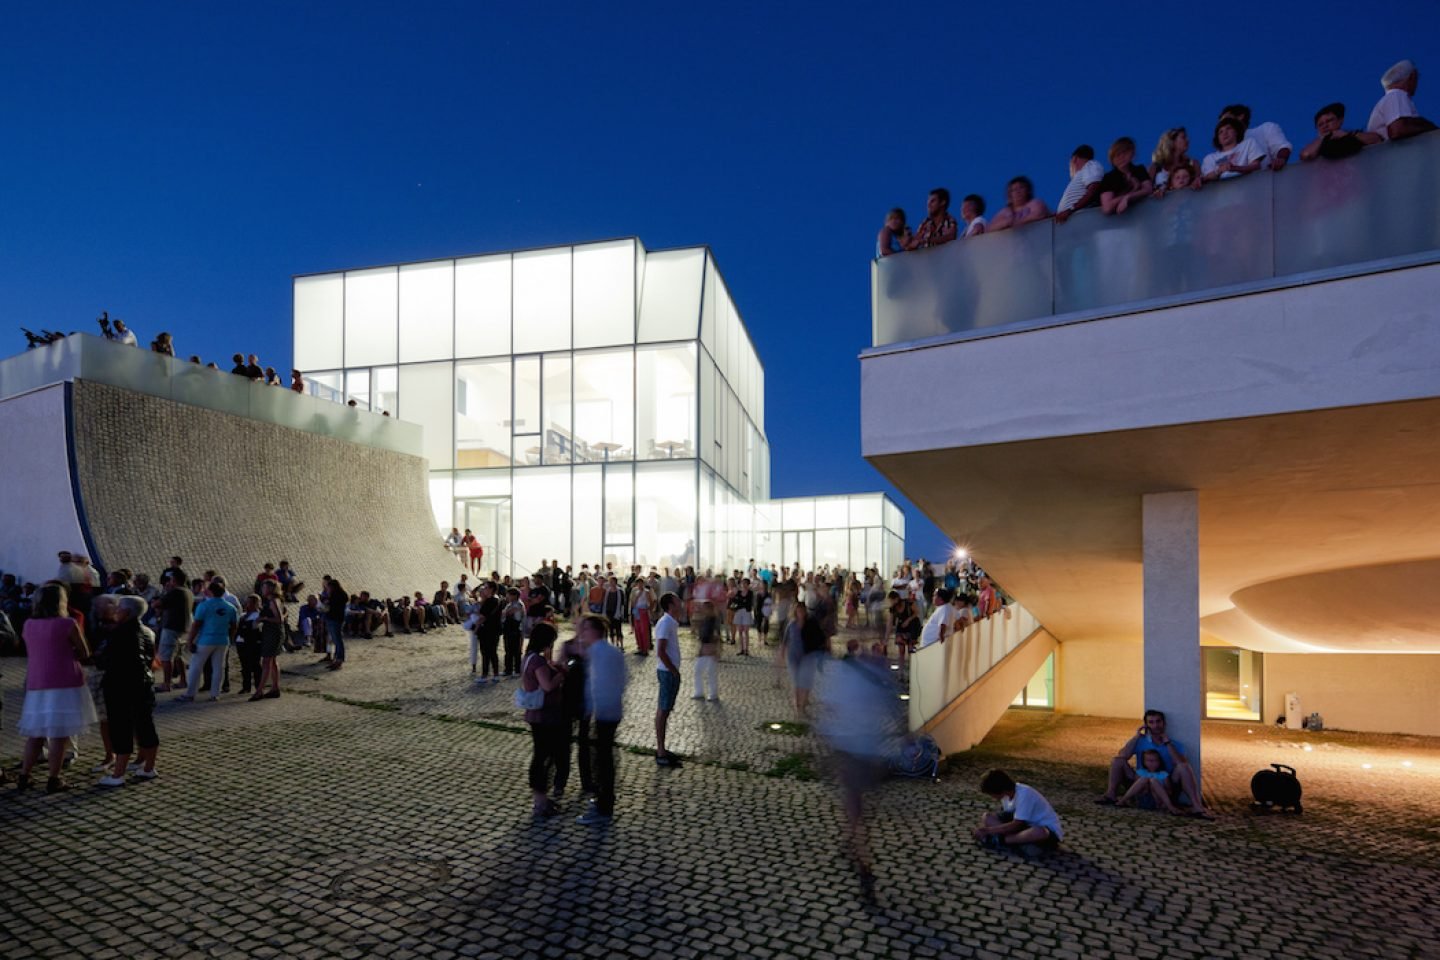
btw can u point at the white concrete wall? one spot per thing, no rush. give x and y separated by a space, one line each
1101 678
1375 693
37 508
1361 340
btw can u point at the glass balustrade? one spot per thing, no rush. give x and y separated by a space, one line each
1242 234
85 357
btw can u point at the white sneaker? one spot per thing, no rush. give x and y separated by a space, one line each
143 774
112 781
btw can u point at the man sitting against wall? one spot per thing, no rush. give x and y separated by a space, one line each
1181 780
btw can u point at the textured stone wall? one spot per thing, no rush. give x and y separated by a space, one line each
160 478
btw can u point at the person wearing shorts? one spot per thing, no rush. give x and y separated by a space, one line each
667 673
1025 816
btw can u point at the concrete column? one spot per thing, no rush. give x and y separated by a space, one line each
1171 523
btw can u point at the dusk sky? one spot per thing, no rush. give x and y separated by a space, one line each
177 164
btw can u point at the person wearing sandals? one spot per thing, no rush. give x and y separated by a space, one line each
57 703
549 734
272 635
125 655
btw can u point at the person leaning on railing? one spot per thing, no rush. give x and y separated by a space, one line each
1395 116
1126 181
1084 187
1234 155
894 234
1332 140
1172 154
938 226
1021 207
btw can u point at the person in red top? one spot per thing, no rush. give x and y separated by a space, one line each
477 552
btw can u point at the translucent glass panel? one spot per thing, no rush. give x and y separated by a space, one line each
540 524
707 409
587 525
666 409
894 519
831 512
319 304
442 501
482 483
527 395
665 513
832 547
482 414
605 405
427 311
426 398
482 306
357 388
558 440
1185 242
707 306
605 294
541 300
707 517
1381 203
797 514
619 503
859 560
670 302
866 511
371 315
385 389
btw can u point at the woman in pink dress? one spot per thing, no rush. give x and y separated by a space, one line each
57 704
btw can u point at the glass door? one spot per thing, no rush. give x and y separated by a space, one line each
489 519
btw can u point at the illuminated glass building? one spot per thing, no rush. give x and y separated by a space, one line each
582 403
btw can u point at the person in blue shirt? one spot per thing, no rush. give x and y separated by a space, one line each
1181 780
211 631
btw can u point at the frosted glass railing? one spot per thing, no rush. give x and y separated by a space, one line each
942 671
86 357
1253 230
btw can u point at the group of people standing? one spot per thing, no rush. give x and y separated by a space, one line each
1239 148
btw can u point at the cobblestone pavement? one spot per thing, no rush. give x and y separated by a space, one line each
381 811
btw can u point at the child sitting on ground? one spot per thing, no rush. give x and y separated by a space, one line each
1025 816
1151 782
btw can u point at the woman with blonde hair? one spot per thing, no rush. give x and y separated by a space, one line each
57 704
1171 154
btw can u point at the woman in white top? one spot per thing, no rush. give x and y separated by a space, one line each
972 211
1233 155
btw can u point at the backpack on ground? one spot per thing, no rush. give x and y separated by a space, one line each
1276 789
917 757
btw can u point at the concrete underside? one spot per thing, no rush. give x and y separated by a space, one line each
155 478
1296 513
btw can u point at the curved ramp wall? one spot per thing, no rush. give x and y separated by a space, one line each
159 478
37 503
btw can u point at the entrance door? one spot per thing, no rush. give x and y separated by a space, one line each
1232 683
489 519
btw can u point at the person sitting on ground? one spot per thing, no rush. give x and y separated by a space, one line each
893 234
445 600
1332 140
1022 206
938 226
1025 815
1126 182
1395 116
972 212
1173 153
1234 155
1151 778
1084 187
1268 136
1180 776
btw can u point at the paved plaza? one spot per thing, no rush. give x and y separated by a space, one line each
382 811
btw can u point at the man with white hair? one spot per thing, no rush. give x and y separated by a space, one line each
1395 116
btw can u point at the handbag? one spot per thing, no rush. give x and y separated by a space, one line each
528 699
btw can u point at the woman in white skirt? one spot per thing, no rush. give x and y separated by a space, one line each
57 704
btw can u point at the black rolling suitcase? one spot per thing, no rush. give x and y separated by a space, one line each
1276 789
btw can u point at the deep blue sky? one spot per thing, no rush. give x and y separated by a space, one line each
176 164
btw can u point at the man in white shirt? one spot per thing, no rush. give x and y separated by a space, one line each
667 673
941 623
1084 189
1267 136
1395 116
1025 815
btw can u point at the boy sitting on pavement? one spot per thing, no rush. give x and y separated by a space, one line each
1025 816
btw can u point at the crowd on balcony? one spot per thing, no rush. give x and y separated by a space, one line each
1239 148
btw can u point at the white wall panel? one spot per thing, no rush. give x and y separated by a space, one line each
427 311
371 316
542 300
670 302
319 305
605 294
482 306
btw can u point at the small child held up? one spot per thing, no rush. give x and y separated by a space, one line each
1151 782
1025 816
